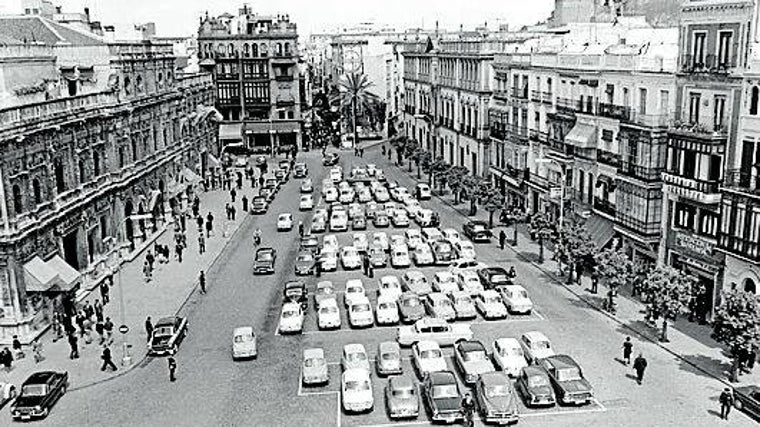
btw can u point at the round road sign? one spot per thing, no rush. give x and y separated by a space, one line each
123 329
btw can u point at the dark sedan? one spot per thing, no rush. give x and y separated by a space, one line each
305 263
38 394
496 398
330 159
263 261
477 231
300 170
493 277
410 307
568 381
168 334
259 205
747 399
443 253
442 397
295 291
534 385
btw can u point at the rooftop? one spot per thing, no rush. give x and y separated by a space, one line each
38 30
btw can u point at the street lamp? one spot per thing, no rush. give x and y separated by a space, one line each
563 178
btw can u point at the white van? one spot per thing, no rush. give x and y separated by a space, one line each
243 343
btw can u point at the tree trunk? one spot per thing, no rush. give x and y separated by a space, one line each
419 171
664 336
490 219
353 111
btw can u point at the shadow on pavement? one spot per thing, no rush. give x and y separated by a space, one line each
708 366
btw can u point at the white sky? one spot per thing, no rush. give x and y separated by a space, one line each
180 17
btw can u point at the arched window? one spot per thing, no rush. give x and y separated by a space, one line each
134 149
231 49
246 50
60 181
37 191
753 100
82 172
122 157
254 50
18 202
96 163
279 49
263 50
139 84
220 49
287 49
160 79
127 85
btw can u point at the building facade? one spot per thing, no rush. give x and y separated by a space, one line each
255 63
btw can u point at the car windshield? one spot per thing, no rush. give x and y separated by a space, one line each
538 381
354 290
443 303
356 357
305 257
478 227
314 362
326 290
443 247
357 385
464 300
541 345
514 351
293 292
361 308
522 294
411 302
34 390
444 391
499 278
289 313
163 331
243 338
403 393
493 300
568 374
497 390
475 356
390 356
387 306
328 309
430 354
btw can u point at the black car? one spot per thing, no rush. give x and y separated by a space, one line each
493 277
259 205
443 252
263 261
310 243
305 263
295 291
38 394
477 231
330 159
442 397
168 334
747 399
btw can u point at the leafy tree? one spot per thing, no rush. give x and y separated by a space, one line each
439 170
492 202
354 91
472 189
424 160
410 150
614 267
456 180
737 325
540 228
669 292
577 249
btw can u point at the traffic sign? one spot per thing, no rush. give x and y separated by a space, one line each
123 329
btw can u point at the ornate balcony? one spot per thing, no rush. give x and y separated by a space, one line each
567 105
608 158
604 206
642 173
699 190
614 111
742 181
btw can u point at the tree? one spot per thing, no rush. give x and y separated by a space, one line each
424 160
410 150
472 189
439 169
577 249
455 177
614 268
737 325
354 91
540 228
492 202
669 292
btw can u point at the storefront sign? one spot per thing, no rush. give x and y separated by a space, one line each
694 244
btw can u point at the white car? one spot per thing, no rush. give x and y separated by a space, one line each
306 203
349 258
320 212
427 357
336 174
360 312
430 234
354 210
328 315
445 282
347 195
413 237
354 290
330 194
465 250
423 255
463 305
400 218
399 257
285 222
329 260
354 357
397 239
516 299
469 281
389 286
451 235
371 169
314 367
381 195
536 346
415 281
291 318
389 208
412 206
360 242
490 305
509 356
423 192
330 243
365 195
338 221
460 265
243 343
356 391
386 311
379 238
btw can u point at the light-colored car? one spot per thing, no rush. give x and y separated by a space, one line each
423 191
536 346
388 359
423 217
451 235
423 255
400 218
472 360
306 186
469 281
330 194
380 239
314 367
438 305
413 237
243 343
490 305
371 169
397 240
400 257
433 329
360 313
377 256
427 357
354 290
325 290
330 243
356 391
411 207
430 234
445 282
349 258
509 356
306 203
354 210
291 318
365 195
347 195
360 242
328 314
354 357
460 265
464 306
285 222
415 281
338 221
402 398
386 311
329 260
516 299
465 250
381 195
390 286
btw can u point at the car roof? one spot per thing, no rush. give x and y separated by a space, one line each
535 336
443 274
442 377
437 296
532 370
493 270
388 346
432 321
493 378
329 300
325 284
313 353
243 330
428 345
401 382
459 294
291 305
489 293
361 299
560 361
385 298
286 214
41 377
507 342
168 320
294 284
468 346
513 287
264 250
354 348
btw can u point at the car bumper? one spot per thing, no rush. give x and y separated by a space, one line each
25 414
357 406
304 271
243 354
447 417
331 324
161 351
521 309
579 399
539 401
464 315
396 414
263 270
288 329
500 419
361 323
316 379
494 315
387 320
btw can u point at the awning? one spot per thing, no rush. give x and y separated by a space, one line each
69 276
39 276
582 136
190 177
230 131
213 161
154 196
600 230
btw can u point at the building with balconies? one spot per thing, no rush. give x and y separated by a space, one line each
254 60
102 142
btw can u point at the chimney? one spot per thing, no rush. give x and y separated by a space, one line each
87 13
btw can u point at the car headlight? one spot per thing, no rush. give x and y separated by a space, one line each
37 408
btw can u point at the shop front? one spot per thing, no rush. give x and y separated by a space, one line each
697 256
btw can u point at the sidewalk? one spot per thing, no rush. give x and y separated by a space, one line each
689 342
171 286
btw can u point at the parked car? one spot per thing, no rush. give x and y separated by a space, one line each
330 243
427 357
328 315
388 359
360 313
377 256
570 386
494 277
471 358
410 307
401 398
354 290
413 237
443 252
438 305
463 305
259 205
477 231
460 265
306 186
509 356
534 385
496 399
349 258
38 394
328 259
444 282
400 257
314 367
285 222
536 346
386 312
359 223
300 170
490 305
264 260
304 264
318 224
433 329
469 282
464 249
330 159
400 218
415 281
380 239
168 334
356 391
423 255
423 191
295 291
244 343
381 220
354 357
516 299
324 290
291 318
451 235
747 399
441 395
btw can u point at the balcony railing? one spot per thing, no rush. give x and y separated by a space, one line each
699 130
651 120
537 135
498 133
520 93
643 173
608 158
560 147
501 94
638 226
568 105
739 245
742 180
48 109
701 185
614 111
604 206
707 64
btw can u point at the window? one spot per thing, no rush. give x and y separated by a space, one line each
122 157
254 50
610 92
698 49
263 49
708 223
724 49
684 215
607 135
96 163
279 49
18 202
642 101
719 112
664 102
127 85
246 50
37 191
139 84
549 85
60 181
287 49
754 94
694 101
626 98
103 227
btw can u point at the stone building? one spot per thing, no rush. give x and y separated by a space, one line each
102 142
260 90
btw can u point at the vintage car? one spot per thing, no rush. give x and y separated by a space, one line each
380 238
330 243
444 282
496 399
388 360
490 305
380 220
354 290
259 205
330 159
359 223
415 281
167 335
356 391
443 252
318 224
264 260
38 394
442 397
268 193
567 379
244 343
291 318
304 264
459 265
536 346
349 258
410 307
477 231
360 313
413 237
285 222
354 357
433 329
306 186
310 243
325 289
464 249
451 235
463 305
381 195
438 305
328 314
469 282
300 170
509 356
400 218
329 260
516 299
747 399
401 398
494 277
377 256
423 255
427 357
471 358
400 257
386 312
371 209
422 191
534 385
306 202
295 291
360 242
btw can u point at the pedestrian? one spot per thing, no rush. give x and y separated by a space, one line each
104 291
201 244
107 360
640 365
227 211
151 259
74 354
99 329
19 354
172 369
300 228
239 181
37 351
370 269
627 350
80 322
200 223
361 152
209 224
502 239
108 328
182 221
202 282
594 282
178 248
149 328
98 307
261 181
56 326
6 358
233 211
233 193
88 310
318 267
244 200
146 271
511 274
726 401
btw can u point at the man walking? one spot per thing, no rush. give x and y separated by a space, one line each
107 360
233 193
201 244
149 328
108 328
104 290
178 249
172 369
594 282
726 401
202 282
244 200
209 224
233 211
98 307
200 223
151 259
502 239
640 365
627 350
74 354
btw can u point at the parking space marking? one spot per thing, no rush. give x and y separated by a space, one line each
598 407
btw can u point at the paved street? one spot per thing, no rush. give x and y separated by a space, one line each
213 390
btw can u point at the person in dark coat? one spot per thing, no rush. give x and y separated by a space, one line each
640 365
233 194
104 292
502 239
200 223
74 354
726 400
202 282
6 359
148 327
627 350
178 248
172 369
99 329
201 244
233 211
107 360
150 258
244 200
209 224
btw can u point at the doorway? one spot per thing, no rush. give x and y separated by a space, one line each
70 249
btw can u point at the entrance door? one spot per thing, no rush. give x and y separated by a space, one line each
70 249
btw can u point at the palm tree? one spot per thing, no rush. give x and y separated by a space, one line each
354 91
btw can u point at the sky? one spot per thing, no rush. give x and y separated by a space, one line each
180 17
